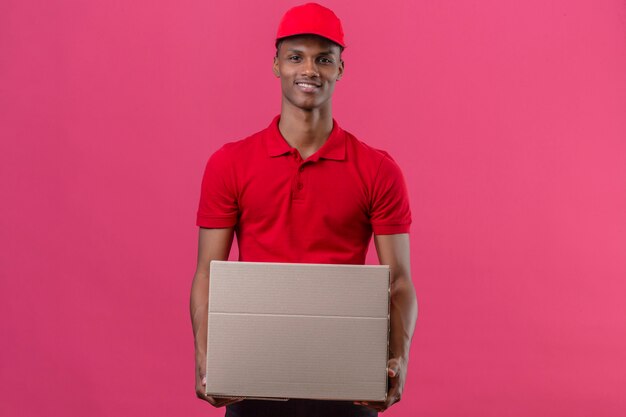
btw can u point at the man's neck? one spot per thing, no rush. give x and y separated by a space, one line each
306 131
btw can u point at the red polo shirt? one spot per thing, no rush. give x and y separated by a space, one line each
319 210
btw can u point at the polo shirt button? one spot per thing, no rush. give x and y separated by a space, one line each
301 169
300 186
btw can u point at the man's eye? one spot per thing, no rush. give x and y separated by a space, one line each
294 58
326 61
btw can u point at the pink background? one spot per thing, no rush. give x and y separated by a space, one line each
507 117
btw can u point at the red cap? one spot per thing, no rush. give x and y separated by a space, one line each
311 18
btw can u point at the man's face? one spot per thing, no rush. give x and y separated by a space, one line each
308 67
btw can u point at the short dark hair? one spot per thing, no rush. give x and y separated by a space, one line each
280 41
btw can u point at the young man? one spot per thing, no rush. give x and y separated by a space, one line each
305 190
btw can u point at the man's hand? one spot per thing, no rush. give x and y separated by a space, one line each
396 371
201 388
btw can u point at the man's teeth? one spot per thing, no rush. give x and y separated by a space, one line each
307 85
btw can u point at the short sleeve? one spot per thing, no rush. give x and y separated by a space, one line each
218 205
390 210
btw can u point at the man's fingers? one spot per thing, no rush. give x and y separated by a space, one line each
393 367
374 405
232 401
200 394
221 402
392 394
215 401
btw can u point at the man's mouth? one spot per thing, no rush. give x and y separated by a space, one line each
307 87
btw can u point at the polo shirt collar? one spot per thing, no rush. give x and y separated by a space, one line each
333 148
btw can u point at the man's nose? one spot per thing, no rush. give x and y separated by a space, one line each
310 68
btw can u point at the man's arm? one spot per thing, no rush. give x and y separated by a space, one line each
213 244
393 250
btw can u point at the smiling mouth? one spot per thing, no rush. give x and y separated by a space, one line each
307 87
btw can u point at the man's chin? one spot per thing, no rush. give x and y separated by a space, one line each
306 105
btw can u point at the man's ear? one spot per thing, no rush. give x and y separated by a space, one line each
275 67
341 68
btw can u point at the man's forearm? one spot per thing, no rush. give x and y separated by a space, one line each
198 307
403 317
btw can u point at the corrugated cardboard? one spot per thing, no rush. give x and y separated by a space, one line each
313 331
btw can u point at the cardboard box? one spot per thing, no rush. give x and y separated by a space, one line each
315 331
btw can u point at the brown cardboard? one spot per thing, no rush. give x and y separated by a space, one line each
316 331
